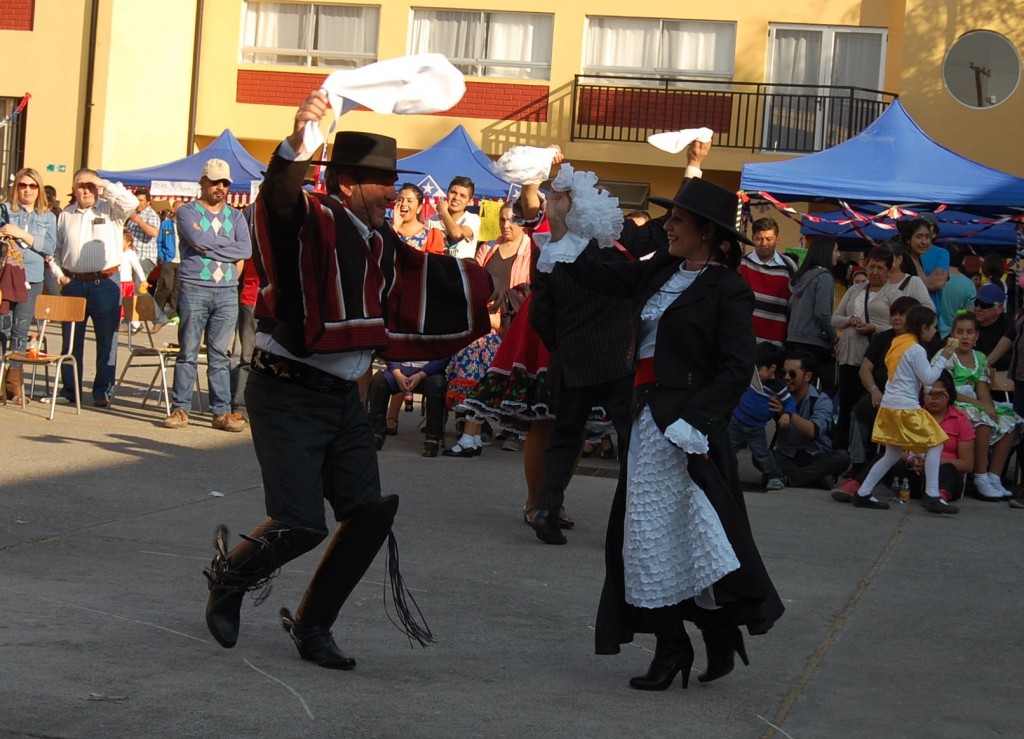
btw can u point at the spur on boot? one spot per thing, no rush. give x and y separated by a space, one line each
315 644
547 527
721 643
673 655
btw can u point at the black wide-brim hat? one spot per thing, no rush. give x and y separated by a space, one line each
357 150
709 201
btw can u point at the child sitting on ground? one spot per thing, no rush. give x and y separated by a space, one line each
746 427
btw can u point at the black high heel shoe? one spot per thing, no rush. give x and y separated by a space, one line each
721 642
672 656
391 431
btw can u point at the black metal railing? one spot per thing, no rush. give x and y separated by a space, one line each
758 116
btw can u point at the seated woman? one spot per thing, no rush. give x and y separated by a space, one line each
407 224
957 452
679 546
402 378
995 424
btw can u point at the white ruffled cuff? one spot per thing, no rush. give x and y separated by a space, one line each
687 438
566 249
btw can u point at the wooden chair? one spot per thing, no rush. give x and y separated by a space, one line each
61 310
142 308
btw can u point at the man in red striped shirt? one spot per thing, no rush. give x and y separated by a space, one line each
768 273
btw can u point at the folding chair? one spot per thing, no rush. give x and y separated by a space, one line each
142 308
61 310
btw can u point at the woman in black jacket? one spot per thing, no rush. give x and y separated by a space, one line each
679 546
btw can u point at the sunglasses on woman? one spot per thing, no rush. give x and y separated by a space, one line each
28 185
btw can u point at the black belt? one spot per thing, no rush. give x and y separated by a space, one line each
90 276
290 370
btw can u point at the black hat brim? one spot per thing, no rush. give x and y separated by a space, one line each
729 227
329 163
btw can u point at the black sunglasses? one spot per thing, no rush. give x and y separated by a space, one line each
792 374
982 304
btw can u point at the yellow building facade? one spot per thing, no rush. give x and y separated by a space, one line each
121 84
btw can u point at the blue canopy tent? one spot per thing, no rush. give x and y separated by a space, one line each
455 155
892 161
954 226
181 177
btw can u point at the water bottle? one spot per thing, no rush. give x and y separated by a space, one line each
905 491
33 347
408 402
895 487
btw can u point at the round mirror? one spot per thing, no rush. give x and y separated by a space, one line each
981 69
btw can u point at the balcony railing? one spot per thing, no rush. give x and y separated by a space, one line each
758 116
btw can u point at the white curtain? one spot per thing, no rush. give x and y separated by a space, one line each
347 30
857 60
796 57
449 32
698 48
275 26
621 43
519 37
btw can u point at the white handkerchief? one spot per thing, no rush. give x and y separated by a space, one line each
525 165
407 85
675 141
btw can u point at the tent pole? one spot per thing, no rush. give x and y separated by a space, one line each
194 92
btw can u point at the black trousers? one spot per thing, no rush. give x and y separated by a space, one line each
432 388
850 391
572 408
809 470
312 446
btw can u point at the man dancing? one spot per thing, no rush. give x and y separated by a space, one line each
337 285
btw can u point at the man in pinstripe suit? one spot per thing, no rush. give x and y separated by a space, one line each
590 337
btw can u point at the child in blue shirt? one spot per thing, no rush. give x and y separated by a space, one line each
746 427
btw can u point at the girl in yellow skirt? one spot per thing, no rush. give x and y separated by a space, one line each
902 424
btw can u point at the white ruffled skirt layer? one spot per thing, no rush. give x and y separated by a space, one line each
674 546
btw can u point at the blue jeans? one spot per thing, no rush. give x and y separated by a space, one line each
752 437
23 317
103 306
212 311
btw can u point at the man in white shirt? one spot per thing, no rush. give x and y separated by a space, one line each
461 228
87 263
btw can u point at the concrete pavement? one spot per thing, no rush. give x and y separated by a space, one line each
899 623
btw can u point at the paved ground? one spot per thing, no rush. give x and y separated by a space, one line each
899 623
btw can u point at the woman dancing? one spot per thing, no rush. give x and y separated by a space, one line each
679 546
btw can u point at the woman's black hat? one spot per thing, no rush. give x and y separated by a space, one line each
709 201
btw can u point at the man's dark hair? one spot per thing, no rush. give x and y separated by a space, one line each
901 306
764 224
465 182
806 360
143 191
956 255
639 214
766 354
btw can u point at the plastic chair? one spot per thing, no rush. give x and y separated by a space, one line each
142 308
61 310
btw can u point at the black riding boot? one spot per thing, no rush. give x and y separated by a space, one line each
249 566
672 655
721 642
351 551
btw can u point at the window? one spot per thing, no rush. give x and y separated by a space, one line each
826 84
484 44
310 34
12 141
660 48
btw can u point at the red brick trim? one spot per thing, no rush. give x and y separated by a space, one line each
18 15
489 100
663 109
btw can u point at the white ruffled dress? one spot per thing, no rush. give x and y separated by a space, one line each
674 545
